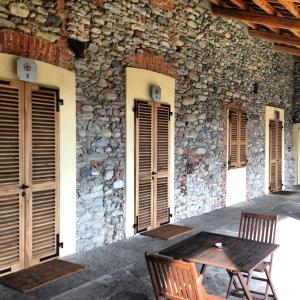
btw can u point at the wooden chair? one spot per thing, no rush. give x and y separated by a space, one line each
176 280
262 228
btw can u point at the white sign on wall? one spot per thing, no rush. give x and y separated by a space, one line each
26 69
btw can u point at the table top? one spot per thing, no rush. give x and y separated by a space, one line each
240 255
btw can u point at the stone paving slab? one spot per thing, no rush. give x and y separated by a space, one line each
119 272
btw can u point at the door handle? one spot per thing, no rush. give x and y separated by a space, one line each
24 186
154 173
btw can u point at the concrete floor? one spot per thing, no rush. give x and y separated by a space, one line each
118 271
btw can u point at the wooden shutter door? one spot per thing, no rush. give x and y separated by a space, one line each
243 139
275 173
144 165
42 173
233 139
279 156
11 177
161 165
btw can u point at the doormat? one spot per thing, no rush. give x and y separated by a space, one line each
286 193
168 232
32 278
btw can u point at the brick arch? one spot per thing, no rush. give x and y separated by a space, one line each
151 61
19 43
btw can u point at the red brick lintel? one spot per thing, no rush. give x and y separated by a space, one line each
19 43
153 62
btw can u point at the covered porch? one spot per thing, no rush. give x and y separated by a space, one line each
119 117
119 272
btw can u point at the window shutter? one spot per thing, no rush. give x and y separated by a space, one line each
273 156
11 176
43 175
233 139
243 140
279 155
162 164
144 164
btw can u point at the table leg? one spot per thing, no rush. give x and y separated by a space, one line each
244 286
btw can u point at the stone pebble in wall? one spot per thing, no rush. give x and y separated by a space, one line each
44 19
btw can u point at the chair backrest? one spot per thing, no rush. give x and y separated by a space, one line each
174 279
258 227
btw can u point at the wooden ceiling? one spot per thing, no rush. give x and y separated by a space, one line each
277 21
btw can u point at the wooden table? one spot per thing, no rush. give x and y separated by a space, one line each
238 255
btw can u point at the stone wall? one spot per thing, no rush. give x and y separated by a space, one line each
214 61
297 92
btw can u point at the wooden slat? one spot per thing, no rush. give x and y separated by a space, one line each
287 50
243 139
161 165
11 176
43 173
233 139
275 160
258 18
279 156
9 115
144 145
174 279
291 7
276 38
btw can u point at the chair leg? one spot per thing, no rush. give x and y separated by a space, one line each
269 283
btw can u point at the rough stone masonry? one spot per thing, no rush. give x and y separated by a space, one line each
214 62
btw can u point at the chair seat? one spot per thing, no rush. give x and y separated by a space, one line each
261 267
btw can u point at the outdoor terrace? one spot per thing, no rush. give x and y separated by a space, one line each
119 272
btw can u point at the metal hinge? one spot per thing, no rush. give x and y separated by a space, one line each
170 115
58 245
135 226
59 102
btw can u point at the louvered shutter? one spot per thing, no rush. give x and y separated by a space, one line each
243 141
279 156
233 139
43 174
162 164
273 156
144 164
11 177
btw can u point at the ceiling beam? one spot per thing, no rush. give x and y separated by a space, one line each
288 50
216 2
242 5
276 38
264 5
291 7
278 1
257 18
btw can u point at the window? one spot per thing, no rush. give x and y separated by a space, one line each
238 142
